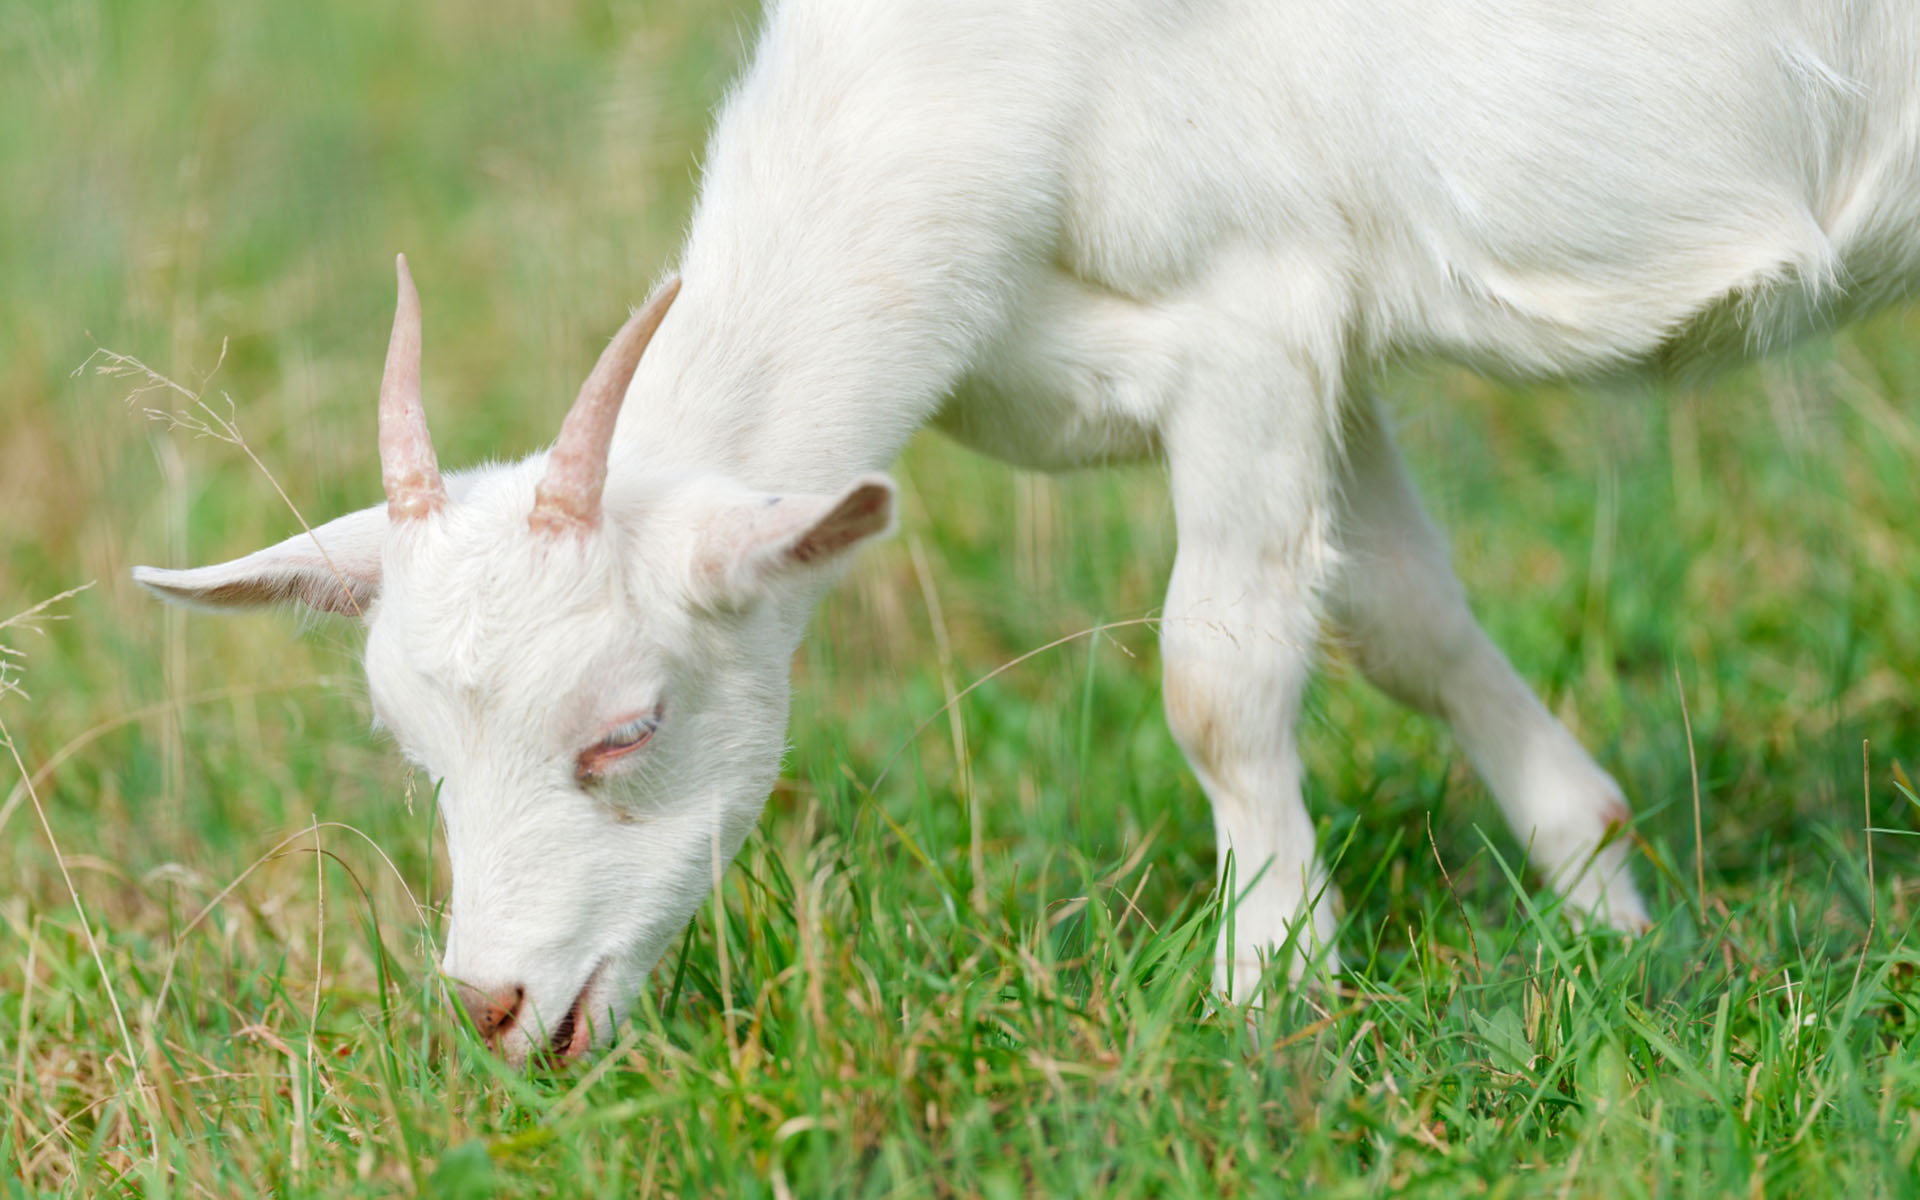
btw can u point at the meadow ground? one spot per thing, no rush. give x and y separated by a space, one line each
986 974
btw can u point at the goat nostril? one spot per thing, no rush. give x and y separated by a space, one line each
492 1013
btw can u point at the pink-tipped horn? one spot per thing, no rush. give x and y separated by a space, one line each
408 468
568 497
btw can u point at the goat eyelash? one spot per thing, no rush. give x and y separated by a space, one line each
620 740
630 734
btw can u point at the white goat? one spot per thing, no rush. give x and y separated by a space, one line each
1069 233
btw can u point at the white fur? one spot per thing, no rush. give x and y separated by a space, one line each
1098 229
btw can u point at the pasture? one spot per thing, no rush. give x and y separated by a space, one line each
967 951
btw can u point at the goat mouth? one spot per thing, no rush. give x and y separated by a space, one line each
574 1034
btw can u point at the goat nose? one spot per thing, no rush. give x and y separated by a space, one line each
492 1012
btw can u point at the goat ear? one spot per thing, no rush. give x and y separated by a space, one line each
749 545
343 580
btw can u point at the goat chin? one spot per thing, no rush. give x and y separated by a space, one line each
1070 233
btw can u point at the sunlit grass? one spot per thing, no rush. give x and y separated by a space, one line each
986 980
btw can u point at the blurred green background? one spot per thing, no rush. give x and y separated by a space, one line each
217 191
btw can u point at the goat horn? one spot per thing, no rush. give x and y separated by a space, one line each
408 469
568 498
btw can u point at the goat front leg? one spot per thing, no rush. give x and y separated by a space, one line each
1250 478
1405 614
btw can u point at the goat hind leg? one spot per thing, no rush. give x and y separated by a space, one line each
1405 615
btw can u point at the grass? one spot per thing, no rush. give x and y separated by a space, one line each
218 915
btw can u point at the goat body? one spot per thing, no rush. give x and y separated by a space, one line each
1071 233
